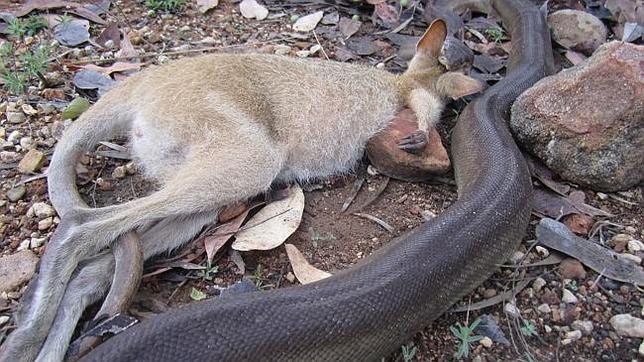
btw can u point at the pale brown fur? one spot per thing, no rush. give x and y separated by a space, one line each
213 130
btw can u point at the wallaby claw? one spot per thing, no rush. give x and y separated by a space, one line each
414 142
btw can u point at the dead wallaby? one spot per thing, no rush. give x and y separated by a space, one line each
213 130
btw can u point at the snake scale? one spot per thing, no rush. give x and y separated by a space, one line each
369 310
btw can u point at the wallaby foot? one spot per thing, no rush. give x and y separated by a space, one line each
414 142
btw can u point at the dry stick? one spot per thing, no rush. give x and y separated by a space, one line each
171 53
321 47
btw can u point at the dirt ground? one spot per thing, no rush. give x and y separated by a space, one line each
332 240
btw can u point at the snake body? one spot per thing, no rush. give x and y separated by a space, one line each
369 310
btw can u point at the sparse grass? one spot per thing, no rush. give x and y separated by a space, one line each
164 5
65 19
408 352
14 82
495 34
528 329
29 26
32 64
258 279
466 336
208 273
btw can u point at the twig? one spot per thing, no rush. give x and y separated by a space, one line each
378 221
321 47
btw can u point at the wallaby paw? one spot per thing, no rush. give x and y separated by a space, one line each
414 142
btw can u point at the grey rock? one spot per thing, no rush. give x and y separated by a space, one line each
587 122
15 117
16 193
16 269
627 325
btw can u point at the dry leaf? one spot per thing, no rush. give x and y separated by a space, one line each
251 9
387 13
111 32
304 272
205 5
349 27
116 67
222 234
127 49
308 22
273 224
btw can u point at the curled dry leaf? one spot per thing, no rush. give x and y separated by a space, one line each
111 32
72 33
252 9
273 224
116 67
387 14
349 27
127 49
222 234
304 272
205 5
308 22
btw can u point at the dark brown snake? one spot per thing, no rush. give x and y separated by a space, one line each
371 309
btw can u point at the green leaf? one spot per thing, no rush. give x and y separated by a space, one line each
197 294
75 108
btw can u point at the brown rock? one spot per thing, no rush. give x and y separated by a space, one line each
580 224
16 269
572 269
587 122
384 154
550 297
32 161
53 93
577 30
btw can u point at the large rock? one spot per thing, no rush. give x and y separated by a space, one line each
577 30
587 122
384 154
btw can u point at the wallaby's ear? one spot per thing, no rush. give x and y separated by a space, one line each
456 85
432 41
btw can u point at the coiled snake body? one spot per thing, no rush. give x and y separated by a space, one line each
368 311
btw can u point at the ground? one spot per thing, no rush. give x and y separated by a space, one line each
330 240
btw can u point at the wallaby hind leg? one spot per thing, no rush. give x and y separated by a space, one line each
211 178
93 279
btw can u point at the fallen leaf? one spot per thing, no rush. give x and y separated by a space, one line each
557 206
304 272
222 234
387 14
489 328
545 175
205 5
236 258
308 22
111 32
75 108
127 49
90 79
273 224
349 27
116 67
363 45
196 294
252 9
72 33
606 262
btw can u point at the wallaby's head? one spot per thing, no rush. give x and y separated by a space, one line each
426 72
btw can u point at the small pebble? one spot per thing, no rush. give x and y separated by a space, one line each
41 210
119 172
15 117
544 308
627 325
568 297
586 327
547 328
24 245
572 269
635 245
512 310
489 293
538 283
14 137
516 257
634 258
602 196
543 252
573 335
3 320
16 193
486 342
36 242
32 161
45 224
290 277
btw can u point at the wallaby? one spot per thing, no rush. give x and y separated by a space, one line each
213 130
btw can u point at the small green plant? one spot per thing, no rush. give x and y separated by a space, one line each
17 27
408 352
465 337
14 81
528 329
316 236
208 273
34 24
164 5
64 19
258 280
35 62
495 34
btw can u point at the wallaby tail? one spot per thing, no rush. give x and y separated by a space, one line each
102 121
